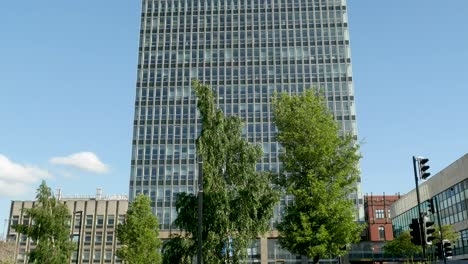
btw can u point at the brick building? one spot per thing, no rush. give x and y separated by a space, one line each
378 217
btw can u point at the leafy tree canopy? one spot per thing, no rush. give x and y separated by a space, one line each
321 169
402 246
238 201
447 233
49 229
139 235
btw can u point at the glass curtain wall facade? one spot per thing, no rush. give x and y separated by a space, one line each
453 209
246 50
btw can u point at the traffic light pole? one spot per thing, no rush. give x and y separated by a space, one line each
436 202
419 208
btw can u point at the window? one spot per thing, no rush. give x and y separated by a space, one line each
121 219
98 238
110 221
14 221
379 213
89 221
23 239
381 233
99 221
87 238
97 256
77 220
108 254
109 238
86 255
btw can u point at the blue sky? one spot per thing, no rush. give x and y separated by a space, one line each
67 80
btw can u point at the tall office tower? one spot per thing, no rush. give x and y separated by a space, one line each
246 50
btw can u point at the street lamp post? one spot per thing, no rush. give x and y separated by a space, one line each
79 234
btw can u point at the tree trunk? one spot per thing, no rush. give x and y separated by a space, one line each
316 259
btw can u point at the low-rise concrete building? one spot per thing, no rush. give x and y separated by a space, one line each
93 224
449 189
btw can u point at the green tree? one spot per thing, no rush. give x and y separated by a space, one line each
238 201
49 229
139 235
447 233
402 246
321 169
178 249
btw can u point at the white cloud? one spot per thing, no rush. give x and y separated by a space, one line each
16 179
83 160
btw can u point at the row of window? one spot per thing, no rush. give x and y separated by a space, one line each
243 55
97 255
231 38
190 112
228 35
273 16
98 238
173 173
174 6
98 221
165 151
241 91
163 172
333 28
89 220
160 76
452 204
249 72
380 213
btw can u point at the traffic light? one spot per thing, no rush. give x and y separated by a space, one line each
439 250
415 232
428 230
423 173
447 248
428 227
430 206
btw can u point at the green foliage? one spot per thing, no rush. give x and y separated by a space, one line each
321 169
178 249
238 201
402 246
139 235
49 229
447 233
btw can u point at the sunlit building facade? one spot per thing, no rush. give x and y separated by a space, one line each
246 51
449 191
93 226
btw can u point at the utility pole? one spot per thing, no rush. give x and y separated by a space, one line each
423 173
419 208
435 202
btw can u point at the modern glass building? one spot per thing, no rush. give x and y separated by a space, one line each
246 50
449 190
